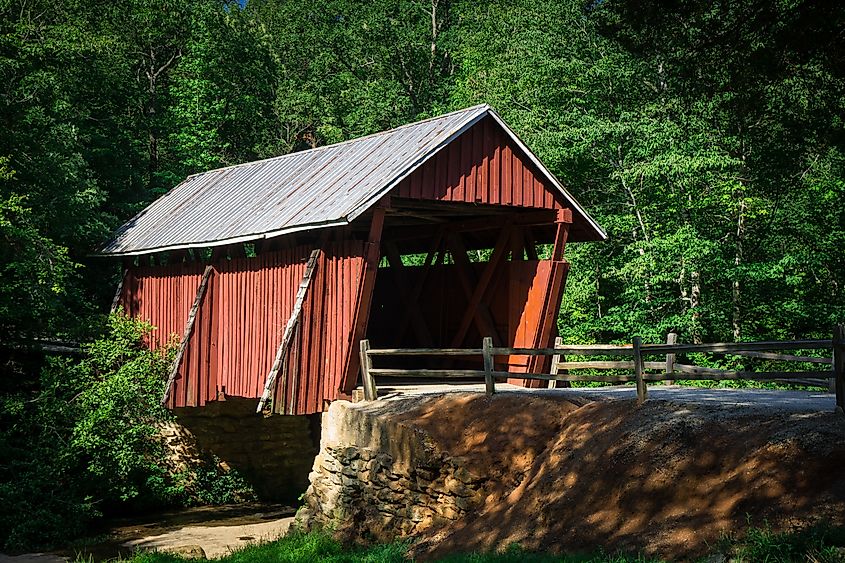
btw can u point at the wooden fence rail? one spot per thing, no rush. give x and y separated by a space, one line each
670 369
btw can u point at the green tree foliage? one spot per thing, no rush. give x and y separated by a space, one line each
706 137
84 439
707 141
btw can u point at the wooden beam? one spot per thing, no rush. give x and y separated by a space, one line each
294 374
367 379
115 302
498 252
562 222
411 306
293 320
417 291
186 337
372 254
530 244
553 293
517 244
489 223
482 317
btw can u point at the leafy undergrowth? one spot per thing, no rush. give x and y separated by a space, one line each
818 544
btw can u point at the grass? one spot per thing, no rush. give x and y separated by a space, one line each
817 544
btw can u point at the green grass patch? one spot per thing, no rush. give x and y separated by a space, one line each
818 544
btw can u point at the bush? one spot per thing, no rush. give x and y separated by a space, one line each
84 442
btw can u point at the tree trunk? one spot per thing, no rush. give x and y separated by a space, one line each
736 290
695 306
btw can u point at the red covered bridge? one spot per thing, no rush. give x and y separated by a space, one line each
427 235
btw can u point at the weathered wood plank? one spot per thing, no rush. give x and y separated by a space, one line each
575 349
426 352
642 388
444 373
783 357
556 361
115 302
671 338
489 382
839 365
719 374
368 382
731 347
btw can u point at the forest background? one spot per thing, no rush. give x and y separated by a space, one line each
708 138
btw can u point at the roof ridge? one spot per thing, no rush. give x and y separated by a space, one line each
348 141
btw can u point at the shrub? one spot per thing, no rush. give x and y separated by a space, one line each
84 441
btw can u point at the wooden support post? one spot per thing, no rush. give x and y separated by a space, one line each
115 302
555 363
839 366
642 390
361 315
487 351
368 382
189 329
287 336
671 338
294 378
554 289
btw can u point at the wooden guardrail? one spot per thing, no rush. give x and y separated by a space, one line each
669 369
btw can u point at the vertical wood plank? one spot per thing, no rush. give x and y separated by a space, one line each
367 380
507 175
671 338
555 361
487 351
642 390
118 293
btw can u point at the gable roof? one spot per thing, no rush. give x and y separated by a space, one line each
322 187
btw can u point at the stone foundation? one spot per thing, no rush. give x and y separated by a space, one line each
273 453
376 478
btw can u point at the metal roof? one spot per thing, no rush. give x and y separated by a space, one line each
321 187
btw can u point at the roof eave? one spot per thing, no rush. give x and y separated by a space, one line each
222 242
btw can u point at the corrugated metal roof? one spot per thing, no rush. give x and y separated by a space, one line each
321 187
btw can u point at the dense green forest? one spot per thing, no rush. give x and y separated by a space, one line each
708 138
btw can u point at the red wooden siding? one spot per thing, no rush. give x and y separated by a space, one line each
239 326
481 166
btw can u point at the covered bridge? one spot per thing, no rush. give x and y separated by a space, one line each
426 235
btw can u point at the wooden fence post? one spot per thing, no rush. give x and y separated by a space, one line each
555 361
671 338
367 380
642 390
839 365
487 351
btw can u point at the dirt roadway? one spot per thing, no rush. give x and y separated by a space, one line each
770 400
216 529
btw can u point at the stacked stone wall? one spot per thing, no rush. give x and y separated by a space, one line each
274 453
378 479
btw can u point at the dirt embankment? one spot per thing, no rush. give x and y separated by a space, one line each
662 478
